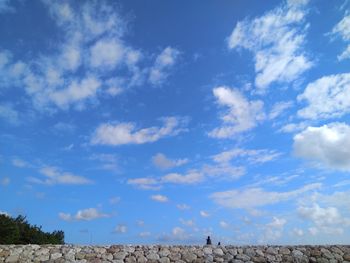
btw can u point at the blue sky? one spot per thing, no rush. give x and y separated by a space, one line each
167 121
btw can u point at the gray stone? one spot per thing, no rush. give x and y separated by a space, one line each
188 257
12 258
164 260
55 256
284 251
243 257
271 251
208 250
119 255
218 252
152 256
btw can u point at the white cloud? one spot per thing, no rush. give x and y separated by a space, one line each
160 198
204 213
253 156
192 177
189 223
279 108
183 206
345 54
164 61
106 53
5 6
5 181
178 234
328 145
75 92
224 224
9 114
83 215
114 200
144 234
273 230
256 197
55 176
242 114
293 127
297 232
19 163
327 220
147 183
122 229
162 162
276 40
91 41
327 97
108 161
343 30
126 133
64 127
223 171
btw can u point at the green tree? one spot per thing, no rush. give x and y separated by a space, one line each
19 231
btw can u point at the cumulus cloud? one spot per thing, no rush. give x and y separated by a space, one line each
277 42
127 133
327 97
83 215
106 53
164 61
257 197
242 114
160 198
162 162
53 176
328 145
75 92
342 29
327 220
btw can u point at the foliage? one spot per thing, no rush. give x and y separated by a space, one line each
19 231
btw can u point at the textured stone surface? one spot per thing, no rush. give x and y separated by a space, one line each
168 254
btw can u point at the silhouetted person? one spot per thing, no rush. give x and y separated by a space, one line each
219 244
208 241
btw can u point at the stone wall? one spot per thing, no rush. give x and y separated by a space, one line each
118 253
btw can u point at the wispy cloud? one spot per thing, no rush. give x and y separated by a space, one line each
164 61
277 42
342 29
54 175
257 197
242 114
327 97
127 133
